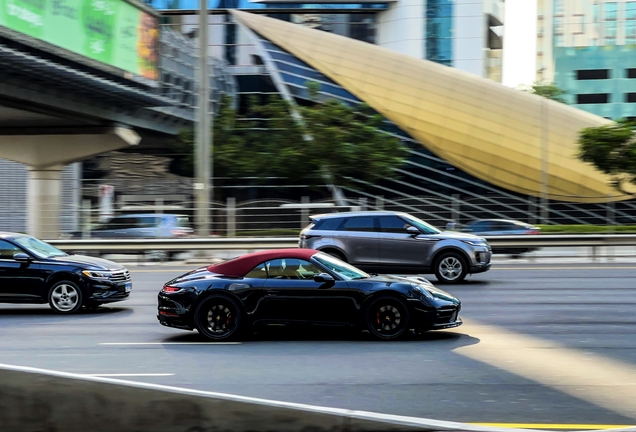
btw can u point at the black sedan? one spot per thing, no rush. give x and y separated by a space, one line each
301 286
32 271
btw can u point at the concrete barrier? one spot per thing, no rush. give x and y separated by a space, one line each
37 400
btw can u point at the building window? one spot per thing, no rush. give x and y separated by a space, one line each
630 23
594 98
630 32
631 73
609 11
558 6
630 97
439 31
593 74
610 33
630 10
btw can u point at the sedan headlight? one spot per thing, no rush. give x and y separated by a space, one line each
93 274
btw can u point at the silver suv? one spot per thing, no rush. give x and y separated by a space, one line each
393 242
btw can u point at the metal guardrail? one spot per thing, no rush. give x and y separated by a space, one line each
255 243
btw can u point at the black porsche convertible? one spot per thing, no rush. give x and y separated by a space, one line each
301 286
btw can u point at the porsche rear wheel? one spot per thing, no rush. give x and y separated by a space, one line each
387 318
218 318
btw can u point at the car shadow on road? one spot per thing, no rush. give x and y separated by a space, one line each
45 311
454 338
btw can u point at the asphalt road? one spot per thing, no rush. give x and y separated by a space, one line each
542 344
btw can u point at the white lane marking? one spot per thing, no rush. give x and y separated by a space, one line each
167 343
600 380
423 423
130 375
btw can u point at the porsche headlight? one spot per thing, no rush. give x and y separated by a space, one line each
94 274
422 290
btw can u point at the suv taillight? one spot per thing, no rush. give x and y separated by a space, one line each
170 289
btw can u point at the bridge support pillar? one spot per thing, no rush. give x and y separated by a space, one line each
46 152
43 200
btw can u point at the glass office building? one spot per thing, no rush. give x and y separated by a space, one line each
588 48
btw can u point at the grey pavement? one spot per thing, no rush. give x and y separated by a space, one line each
588 308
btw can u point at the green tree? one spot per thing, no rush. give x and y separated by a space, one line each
346 141
612 150
550 91
304 144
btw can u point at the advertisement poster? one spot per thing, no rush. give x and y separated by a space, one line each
113 32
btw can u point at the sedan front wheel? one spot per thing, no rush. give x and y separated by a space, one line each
65 297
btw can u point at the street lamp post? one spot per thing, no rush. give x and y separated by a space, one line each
545 175
203 142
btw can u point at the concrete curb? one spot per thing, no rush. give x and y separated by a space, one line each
34 400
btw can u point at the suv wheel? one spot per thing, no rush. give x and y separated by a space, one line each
450 268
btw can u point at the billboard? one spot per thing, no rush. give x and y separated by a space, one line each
113 32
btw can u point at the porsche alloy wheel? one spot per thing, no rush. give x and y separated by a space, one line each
387 318
218 318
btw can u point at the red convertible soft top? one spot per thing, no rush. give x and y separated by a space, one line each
239 267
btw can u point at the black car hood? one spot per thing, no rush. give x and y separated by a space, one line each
88 262
423 282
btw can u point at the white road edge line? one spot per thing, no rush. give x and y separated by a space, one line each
130 375
424 423
167 343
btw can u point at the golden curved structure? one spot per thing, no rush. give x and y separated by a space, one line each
488 130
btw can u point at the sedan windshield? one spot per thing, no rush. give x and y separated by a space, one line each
341 268
421 225
38 247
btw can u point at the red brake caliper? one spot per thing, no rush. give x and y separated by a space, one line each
377 317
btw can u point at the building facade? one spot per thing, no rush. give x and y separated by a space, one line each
588 48
465 34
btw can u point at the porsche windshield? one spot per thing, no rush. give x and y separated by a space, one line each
341 268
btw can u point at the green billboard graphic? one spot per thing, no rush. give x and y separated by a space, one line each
113 32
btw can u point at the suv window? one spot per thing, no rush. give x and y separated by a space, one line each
331 224
360 223
392 224
7 250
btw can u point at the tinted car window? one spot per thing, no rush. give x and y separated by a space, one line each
331 224
147 222
183 222
7 250
506 226
481 226
392 224
286 268
120 223
363 223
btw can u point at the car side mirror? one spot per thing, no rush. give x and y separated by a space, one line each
412 230
323 277
22 257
